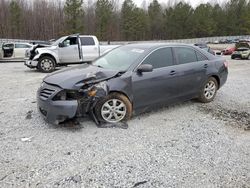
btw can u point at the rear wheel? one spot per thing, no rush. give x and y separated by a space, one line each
114 108
46 64
209 90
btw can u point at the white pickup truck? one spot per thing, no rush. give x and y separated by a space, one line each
73 49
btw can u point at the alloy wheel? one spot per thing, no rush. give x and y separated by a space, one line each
210 90
113 110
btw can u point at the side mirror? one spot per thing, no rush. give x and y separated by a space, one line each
61 45
145 68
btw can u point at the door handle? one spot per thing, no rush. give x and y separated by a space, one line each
205 66
172 72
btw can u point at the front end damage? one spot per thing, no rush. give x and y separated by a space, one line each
58 105
30 55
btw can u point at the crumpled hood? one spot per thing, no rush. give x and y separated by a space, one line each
76 77
46 47
40 46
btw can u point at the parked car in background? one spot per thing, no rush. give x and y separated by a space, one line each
131 78
241 53
73 49
228 50
40 42
14 51
205 47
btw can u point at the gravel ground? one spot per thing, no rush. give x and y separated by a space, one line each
185 145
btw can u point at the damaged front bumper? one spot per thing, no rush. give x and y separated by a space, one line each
30 63
55 110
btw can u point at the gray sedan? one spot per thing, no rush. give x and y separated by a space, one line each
131 78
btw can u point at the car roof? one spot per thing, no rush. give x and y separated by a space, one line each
154 45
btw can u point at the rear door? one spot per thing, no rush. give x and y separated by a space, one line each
191 71
90 49
20 49
69 51
158 86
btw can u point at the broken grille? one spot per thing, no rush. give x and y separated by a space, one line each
46 93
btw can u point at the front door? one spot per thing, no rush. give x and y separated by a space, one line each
158 86
69 50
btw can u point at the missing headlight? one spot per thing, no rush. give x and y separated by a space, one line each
67 95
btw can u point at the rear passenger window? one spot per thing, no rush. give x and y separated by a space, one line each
160 58
200 57
21 46
87 41
185 55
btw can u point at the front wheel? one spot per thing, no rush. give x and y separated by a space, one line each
114 108
46 64
209 90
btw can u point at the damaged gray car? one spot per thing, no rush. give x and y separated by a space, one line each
131 78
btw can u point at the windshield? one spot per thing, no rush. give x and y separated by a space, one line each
58 41
119 59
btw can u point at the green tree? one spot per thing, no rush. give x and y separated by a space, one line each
134 22
103 12
220 20
246 20
237 17
141 25
203 23
155 20
74 15
127 19
178 21
15 19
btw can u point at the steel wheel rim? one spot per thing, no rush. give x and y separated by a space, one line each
46 64
210 89
113 110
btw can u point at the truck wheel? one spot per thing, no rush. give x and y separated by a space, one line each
114 108
208 91
46 64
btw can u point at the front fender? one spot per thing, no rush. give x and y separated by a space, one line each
47 52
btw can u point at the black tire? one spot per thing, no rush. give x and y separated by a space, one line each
208 94
100 107
46 64
232 57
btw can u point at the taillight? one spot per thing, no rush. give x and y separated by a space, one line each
226 64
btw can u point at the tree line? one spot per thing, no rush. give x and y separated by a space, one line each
110 20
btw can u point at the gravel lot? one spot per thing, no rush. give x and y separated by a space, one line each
185 145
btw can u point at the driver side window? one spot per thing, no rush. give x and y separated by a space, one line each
70 41
162 57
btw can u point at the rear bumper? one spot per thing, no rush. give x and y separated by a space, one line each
55 112
30 63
